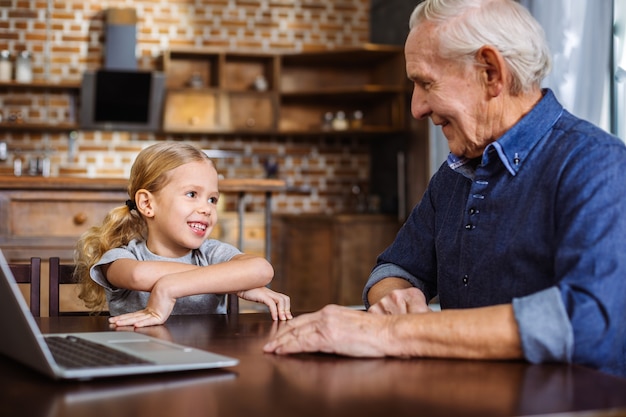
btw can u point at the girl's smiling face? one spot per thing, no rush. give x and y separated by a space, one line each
184 212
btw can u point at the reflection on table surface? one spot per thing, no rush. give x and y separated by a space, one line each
307 384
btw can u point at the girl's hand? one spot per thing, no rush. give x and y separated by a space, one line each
279 304
156 312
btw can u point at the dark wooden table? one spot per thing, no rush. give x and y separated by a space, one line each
306 385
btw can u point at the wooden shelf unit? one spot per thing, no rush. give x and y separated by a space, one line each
210 91
370 80
300 89
216 92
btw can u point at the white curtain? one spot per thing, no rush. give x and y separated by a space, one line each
579 33
619 96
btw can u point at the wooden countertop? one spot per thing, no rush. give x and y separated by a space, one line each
250 185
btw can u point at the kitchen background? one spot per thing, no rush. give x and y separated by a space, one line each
324 174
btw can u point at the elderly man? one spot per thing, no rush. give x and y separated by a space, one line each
520 233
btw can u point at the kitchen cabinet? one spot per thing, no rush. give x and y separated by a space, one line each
321 259
44 216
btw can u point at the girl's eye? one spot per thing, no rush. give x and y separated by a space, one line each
213 200
191 194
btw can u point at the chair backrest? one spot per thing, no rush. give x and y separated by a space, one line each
232 304
61 274
64 274
30 274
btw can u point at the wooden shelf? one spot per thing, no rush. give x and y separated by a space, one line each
354 91
38 127
299 90
21 97
41 85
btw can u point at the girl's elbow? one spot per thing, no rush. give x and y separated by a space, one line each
266 271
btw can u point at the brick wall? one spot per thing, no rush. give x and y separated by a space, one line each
66 37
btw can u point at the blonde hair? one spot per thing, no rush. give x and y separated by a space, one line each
123 224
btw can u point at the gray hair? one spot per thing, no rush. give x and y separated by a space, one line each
464 26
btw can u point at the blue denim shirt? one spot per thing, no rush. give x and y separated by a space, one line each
540 222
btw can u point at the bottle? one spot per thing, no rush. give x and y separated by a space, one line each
6 66
23 67
357 119
327 122
17 166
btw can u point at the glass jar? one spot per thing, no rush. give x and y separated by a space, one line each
6 66
23 67
340 122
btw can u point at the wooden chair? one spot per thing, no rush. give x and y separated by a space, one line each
232 304
61 274
29 274
64 274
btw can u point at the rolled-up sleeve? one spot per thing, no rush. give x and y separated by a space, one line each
386 270
545 330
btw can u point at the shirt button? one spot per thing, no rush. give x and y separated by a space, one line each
465 280
469 226
473 211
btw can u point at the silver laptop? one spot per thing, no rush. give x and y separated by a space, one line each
141 354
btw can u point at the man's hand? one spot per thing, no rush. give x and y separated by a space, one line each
333 329
401 301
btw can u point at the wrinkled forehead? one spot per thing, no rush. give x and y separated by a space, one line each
422 45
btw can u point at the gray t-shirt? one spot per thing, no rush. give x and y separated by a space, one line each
123 301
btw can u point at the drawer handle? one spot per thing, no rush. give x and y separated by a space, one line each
80 218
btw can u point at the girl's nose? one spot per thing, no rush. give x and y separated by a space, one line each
206 208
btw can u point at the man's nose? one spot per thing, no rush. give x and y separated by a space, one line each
419 105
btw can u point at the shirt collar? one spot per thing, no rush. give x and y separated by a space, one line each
517 143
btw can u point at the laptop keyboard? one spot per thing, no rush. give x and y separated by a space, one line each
74 352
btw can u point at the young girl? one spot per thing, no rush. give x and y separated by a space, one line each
152 257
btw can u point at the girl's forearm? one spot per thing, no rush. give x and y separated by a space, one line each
236 275
142 275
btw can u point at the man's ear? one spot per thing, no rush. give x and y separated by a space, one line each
493 69
144 200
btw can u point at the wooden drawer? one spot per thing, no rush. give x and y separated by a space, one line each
56 213
37 222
